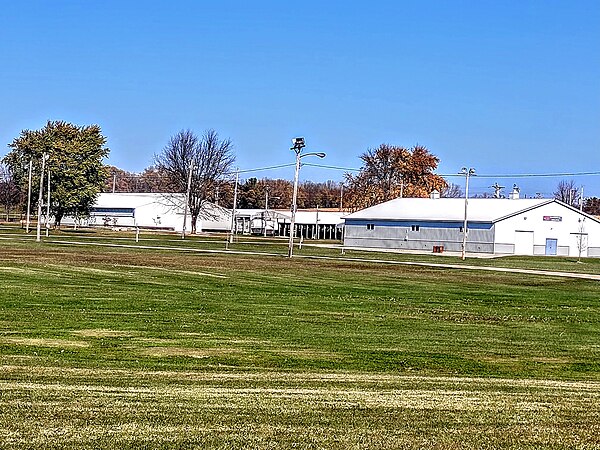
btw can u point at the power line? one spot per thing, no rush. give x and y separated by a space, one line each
351 169
519 175
259 169
156 175
529 175
323 166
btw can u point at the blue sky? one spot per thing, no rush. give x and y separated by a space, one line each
505 87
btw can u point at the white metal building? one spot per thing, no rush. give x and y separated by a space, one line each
153 210
495 226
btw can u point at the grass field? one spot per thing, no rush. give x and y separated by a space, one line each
107 347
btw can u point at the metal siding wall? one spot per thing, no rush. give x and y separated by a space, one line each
401 237
593 251
507 249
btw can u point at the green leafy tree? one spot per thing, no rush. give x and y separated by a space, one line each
75 161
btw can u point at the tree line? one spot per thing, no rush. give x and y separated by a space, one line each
252 192
65 162
388 172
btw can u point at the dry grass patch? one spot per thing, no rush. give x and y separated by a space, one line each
40 342
200 353
339 411
103 333
306 353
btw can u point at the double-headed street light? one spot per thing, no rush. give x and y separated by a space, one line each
467 172
297 145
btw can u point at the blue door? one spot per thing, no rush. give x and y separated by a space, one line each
551 245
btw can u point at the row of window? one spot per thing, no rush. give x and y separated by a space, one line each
371 226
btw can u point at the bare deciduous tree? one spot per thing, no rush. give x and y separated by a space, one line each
9 191
567 192
452 191
208 157
581 239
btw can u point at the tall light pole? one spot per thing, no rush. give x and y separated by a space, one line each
297 146
235 194
187 199
40 196
29 197
266 211
48 206
467 173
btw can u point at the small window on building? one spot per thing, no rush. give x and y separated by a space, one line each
415 228
370 226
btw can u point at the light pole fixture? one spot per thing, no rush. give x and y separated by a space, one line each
297 146
467 172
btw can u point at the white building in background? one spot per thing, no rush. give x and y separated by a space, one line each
159 211
163 211
310 224
495 226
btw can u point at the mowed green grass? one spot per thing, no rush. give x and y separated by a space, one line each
130 348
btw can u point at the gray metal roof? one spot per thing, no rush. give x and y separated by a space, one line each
447 209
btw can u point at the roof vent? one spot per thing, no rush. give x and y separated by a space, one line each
434 194
514 194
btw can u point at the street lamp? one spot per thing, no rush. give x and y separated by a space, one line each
297 145
467 173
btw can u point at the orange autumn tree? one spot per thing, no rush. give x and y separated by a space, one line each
389 172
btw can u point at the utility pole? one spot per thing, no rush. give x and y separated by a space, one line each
187 199
48 206
266 211
114 182
581 200
571 197
28 221
341 196
235 194
317 224
497 190
40 196
467 173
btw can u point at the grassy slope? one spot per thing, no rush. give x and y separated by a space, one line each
266 351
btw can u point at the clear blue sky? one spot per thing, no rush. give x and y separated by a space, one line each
502 86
